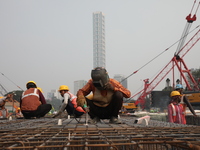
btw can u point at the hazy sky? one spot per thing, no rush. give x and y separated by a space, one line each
51 41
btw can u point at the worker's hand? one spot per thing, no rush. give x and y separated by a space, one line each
56 115
109 87
81 101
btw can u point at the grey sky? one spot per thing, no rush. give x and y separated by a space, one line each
50 41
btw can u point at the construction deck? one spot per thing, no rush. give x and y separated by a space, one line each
77 134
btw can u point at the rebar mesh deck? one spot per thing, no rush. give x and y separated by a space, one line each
45 133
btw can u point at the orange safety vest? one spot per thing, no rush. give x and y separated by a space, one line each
73 100
30 100
174 113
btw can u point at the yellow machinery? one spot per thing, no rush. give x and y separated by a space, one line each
194 98
130 107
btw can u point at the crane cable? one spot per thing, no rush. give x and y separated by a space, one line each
158 55
12 82
184 36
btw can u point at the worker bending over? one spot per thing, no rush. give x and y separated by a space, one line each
33 103
69 103
107 96
3 110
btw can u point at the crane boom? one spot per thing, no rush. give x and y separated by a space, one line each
188 25
174 62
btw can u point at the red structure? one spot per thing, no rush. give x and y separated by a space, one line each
177 61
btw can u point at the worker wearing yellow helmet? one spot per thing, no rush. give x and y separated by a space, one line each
69 103
176 109
33 103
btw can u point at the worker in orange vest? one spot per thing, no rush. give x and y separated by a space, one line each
176 112
69 103
33 103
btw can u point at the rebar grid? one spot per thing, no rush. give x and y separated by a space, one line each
38 134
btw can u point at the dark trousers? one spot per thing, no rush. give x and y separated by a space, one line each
112 110
41 111
72 111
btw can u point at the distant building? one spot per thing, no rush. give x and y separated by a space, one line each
120 78
78 85
99 56
53 93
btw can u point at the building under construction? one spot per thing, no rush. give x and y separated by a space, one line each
76 134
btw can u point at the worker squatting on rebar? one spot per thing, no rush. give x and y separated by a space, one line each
106 96
69 103
33 103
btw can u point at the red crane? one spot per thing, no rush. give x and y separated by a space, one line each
177 61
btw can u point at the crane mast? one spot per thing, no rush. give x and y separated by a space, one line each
177 61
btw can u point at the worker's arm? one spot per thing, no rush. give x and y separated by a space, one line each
42 99
81 101
119 87
86 89
63 106
186 101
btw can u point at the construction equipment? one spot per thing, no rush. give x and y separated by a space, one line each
177 61
130 107
194 98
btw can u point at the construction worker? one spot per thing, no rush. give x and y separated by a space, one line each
3 110
19 113
69 103
176 112
33 103
107 96
184 100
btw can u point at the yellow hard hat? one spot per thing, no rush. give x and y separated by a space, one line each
31 82
40 89
63 87
175 93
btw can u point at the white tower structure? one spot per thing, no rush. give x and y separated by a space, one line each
99 56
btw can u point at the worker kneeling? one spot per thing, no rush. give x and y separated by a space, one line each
107 96
69 103
33 103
